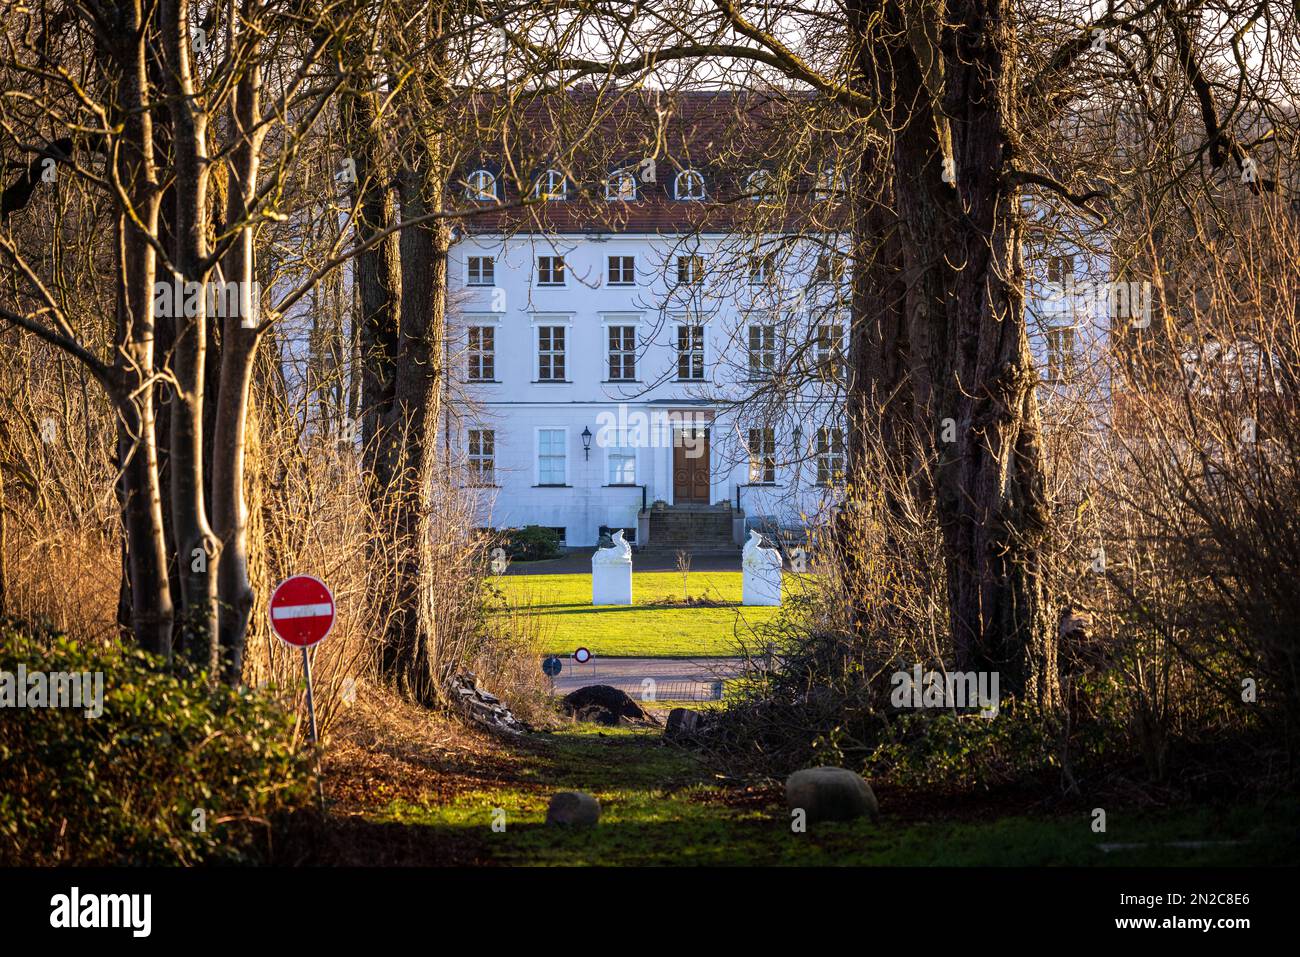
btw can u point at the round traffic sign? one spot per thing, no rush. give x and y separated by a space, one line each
582 656
552 666
302 611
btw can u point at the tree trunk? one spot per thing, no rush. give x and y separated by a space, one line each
377 288
878 398
139 493
197 547
238 351
972 370
409 657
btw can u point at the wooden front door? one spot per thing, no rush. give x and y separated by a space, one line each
691 466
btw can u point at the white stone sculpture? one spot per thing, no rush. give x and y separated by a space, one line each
760 580
611 573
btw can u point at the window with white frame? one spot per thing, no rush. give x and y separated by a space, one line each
1230 367
690 352
1060 270
482 354
550 353
621 186
621 458
830 456
690 270
622 353
481 186
552 457
1060 355
830 349
830 183
758 185
762 351
550 270
552 185
482 457
622 271
482 271
829 268
689 184
761 269
762 456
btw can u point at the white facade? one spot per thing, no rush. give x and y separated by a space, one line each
632 357
626 344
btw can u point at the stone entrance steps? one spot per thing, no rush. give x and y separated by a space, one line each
694 529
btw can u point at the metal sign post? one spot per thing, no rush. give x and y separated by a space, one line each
311 719
302 613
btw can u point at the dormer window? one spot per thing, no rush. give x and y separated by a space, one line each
552 185
689 184
621 186
758 186
829 183
481 186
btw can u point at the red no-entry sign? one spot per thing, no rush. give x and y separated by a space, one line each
302 611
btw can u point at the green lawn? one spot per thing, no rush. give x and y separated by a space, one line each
659 807
649 626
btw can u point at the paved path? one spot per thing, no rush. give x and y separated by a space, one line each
675 678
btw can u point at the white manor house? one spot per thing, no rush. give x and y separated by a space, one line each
634 359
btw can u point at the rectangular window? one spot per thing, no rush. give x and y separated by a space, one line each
550 270
830 457
622 353
622 460
829 269
1060 269
550 457
762 351
760 269
482 354
830 349
550 353
762 456
482 457
622 270
482 271
690 270
1060 355
690 353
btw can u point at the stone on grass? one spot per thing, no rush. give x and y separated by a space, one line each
830 794
573 808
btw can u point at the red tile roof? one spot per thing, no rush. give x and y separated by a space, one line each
726 136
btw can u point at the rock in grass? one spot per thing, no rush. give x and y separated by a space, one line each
830 794
573 808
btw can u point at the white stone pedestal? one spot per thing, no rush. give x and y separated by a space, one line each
611 573
760 578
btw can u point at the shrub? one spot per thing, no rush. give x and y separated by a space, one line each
123 787
532 543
